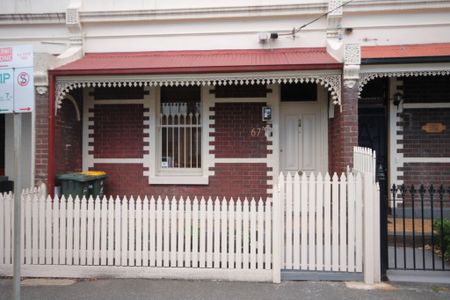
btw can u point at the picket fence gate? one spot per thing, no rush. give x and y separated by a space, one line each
323 222
314 223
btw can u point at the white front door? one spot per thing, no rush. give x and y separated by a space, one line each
304 136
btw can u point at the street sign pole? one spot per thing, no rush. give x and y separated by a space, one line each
17 204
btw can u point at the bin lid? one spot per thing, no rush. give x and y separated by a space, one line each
80 177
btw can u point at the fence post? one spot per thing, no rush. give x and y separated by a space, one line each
276 232
371 232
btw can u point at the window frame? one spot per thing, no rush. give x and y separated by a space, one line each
158 175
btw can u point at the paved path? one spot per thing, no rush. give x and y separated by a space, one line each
175 289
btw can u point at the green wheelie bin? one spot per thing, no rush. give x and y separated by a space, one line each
83 184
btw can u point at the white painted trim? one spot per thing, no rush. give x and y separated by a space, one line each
426 105
151 161
118 101
179 179
331 79
273 159
117 160
261 160
139 272
87 159
443 160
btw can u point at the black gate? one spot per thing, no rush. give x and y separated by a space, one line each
419 228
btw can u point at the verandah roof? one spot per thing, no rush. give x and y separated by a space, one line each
203 61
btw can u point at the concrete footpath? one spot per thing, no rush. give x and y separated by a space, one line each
177 289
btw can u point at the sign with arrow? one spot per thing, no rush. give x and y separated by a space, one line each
16 79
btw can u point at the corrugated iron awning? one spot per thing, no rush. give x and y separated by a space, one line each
205 61
406 53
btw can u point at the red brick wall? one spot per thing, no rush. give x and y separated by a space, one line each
68 137
41 163
230 180
418 143
233 130
426 173
343 131
118 131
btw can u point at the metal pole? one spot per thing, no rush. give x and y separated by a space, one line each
17 203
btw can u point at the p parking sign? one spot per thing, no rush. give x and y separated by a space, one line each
16 79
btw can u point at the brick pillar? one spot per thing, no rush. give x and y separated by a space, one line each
41 137
343 130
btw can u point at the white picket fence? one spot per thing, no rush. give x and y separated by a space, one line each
313 223
120 237
323 222
365 160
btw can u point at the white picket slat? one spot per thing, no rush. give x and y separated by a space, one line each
145 232
359 222
239 245
124 232
104 230
260 235
327 222
195 212
335 223
35 228
70 229
131 232
117 231
351 223
152 228
319 224
268 236
312 222
202 229
296 222
187 239
231 234
110 231
97 220
138 237
159 232
76 231
304 222
253 230
55 225
223 234
90 231
173 232
209 233
180 248
83 232
245 235
217 233
166 234
343 223
289 223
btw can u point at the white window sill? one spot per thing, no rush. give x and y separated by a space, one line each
179 179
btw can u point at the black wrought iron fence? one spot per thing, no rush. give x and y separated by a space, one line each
419 228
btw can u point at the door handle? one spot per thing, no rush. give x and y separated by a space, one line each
299 123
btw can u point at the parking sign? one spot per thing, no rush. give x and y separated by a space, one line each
16 79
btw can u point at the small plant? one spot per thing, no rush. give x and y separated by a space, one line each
442 230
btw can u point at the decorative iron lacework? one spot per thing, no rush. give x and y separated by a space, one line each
331 81
366 77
